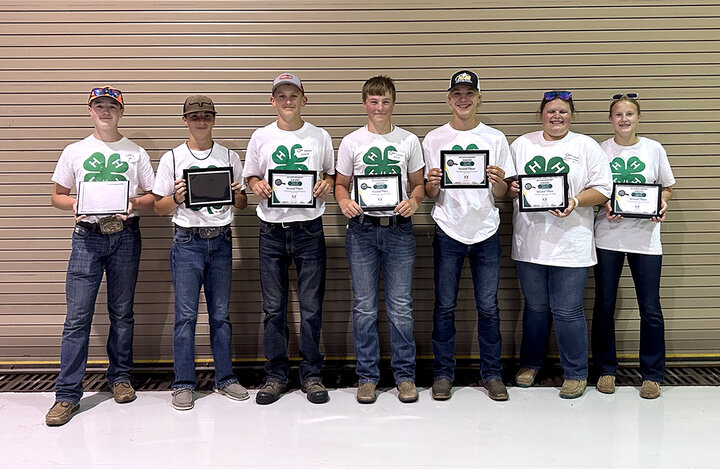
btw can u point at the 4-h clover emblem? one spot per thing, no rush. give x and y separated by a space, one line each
288 160
472 146
380 162
537 165
101 170
628 172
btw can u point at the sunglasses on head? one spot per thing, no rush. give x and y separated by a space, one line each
107 91
626 95
564 95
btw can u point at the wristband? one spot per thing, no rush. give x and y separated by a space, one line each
175 200
577 202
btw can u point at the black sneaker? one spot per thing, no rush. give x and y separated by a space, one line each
270 392
316 392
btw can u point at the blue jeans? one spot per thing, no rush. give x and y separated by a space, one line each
484 260
93 253
645 271
195 263
369 249
279 247
554 293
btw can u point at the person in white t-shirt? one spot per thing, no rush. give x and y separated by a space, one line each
554 249
107 245
201 252
381 238
640 160
467 221
291 234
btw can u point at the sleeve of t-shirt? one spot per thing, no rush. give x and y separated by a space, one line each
237 169
345 164
63 173
415 161
146 176
164 179
252 165
666 178
599 175
328 160
505 161
431 159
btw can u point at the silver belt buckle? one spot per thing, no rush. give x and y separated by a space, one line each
385 221
210 232
110 225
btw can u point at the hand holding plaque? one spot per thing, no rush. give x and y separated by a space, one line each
378 192
103 197
542 192
292 188
634 200
208 187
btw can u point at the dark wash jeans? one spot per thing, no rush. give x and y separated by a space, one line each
645 270
484 258
279 247
554 293
196 262
93 253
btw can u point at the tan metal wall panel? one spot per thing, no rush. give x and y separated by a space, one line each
52 53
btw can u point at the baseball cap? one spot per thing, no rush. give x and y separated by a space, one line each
198 103
464 77
288 79
109 91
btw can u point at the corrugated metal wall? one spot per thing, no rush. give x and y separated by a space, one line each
52 53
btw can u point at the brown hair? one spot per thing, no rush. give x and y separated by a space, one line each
624 98
378 86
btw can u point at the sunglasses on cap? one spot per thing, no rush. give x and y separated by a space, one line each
107 91
626 95
564 95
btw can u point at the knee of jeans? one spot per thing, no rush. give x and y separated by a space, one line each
573 314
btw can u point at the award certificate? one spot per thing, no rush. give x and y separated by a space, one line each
543 192
208 187
292 188
636 200
464 169
102 197
378 192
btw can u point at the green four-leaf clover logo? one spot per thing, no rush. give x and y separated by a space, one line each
288 160
628 172
101 170
472 146
537 165
380 162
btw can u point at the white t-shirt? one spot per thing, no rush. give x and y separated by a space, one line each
363 152
645 162
171 168
467 215
543 238
308 148
91 159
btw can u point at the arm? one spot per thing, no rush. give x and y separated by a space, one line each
432 185
143 202
240 196
586 198
342 195
407 207
168 204
323 186
260 187
496 176
666 195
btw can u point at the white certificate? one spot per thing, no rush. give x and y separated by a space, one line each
292 188
378 192
543 192
636 200
464 169
102 197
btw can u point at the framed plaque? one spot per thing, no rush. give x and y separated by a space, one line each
102 197
378 191
292 188
208 187
633 200
464 169
542 192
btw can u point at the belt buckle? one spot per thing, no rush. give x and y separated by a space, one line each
385 221
110 225
209 232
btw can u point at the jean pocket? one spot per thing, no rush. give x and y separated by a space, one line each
182 236
80 232
405 227
315 229
265 228
351 225
228 234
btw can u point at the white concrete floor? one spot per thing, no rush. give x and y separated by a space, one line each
534 429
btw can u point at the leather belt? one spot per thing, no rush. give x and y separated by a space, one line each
205 232
383 221
96 227
292 224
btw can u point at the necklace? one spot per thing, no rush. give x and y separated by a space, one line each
197 157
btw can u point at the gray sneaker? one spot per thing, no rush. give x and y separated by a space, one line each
234 391
182 399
